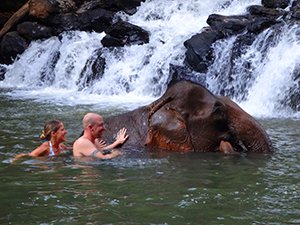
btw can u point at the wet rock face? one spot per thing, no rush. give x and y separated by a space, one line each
12 44
199 53
275 3
123 33
2 72
296 10
292 98
228 24
93 70
127 6
33 31
42 9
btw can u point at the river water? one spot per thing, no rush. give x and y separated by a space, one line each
143 187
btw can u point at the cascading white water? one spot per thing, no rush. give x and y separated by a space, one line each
262 76
275 77
138 74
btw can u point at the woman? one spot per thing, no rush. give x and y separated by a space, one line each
54 134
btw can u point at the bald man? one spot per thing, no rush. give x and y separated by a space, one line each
90 143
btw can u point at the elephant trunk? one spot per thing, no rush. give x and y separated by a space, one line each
248 133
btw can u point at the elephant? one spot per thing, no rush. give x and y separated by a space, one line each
189 118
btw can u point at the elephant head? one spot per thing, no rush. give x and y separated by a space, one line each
189 118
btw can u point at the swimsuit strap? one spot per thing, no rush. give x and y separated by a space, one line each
51 152
94 153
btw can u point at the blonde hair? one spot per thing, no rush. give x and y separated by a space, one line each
52 125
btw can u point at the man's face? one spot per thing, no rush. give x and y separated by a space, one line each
98 128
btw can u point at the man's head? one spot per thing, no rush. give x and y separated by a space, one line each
93 124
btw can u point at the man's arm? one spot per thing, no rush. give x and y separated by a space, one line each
120 139
113 153
84 147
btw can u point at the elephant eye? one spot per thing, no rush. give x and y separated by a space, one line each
218 107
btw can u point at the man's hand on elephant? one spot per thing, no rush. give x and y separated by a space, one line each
121 136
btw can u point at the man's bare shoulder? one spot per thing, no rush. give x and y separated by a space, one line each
83 147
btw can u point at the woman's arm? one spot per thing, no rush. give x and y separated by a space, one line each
41 150
35 153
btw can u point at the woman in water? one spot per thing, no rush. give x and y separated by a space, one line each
53 135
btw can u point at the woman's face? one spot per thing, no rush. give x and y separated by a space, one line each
60 134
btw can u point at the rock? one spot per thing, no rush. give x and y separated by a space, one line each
296 9
179 73
12 44
229 25
64 22
42 9
296 14
93 70
260 24
47 72
2 72
294 92
66 6
33 31
276 3
199 49
294 101
128 6
95 20
123 33
258 10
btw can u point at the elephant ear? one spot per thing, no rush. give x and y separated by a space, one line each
168 130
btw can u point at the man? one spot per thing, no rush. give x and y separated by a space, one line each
90 143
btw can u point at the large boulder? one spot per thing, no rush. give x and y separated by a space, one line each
296 10
229 25
276 3
127 6
124 33
42 9
199 54
33 31
12 44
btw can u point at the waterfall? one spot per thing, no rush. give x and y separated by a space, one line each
52 69
261 77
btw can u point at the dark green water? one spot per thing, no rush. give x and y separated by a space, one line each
139 187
